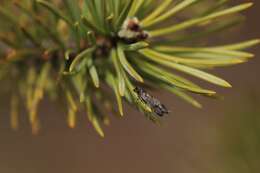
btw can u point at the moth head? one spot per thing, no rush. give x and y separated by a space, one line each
138 90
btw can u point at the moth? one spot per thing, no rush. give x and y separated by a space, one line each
156 106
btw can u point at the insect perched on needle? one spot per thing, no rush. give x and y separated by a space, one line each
152 102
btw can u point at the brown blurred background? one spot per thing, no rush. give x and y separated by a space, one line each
223 137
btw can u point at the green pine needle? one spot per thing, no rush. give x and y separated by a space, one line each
93 53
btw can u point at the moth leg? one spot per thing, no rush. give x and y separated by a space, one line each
139 100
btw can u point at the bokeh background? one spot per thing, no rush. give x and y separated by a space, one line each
223 137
